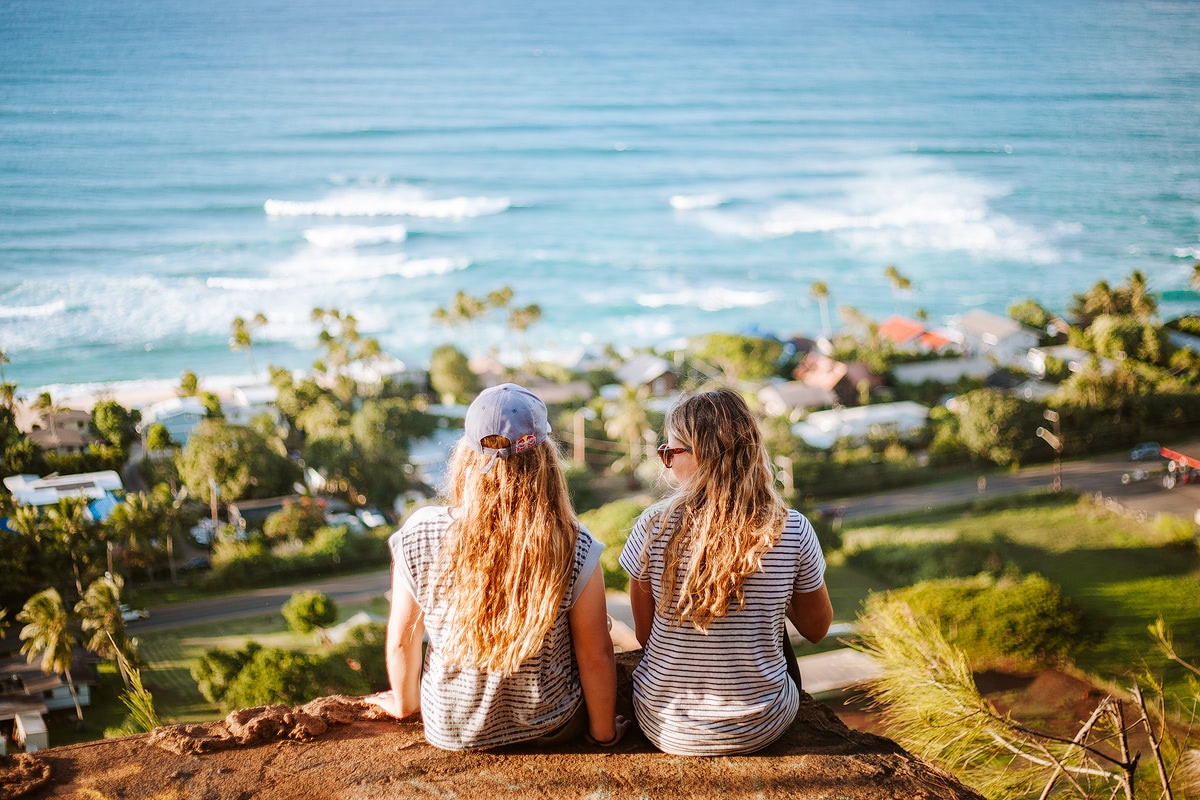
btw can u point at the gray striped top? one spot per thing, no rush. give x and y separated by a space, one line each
726 691
466 709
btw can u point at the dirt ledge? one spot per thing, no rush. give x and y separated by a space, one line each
339 747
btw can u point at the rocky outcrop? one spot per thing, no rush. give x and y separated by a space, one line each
339 747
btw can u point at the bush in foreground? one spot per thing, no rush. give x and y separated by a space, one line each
998 621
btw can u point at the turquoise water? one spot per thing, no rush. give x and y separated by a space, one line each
643 171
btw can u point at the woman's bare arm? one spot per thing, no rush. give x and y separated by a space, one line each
594 653
405 630
811 613
641 602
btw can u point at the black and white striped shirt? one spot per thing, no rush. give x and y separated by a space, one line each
466 709
726 691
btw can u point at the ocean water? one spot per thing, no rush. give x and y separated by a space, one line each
643 171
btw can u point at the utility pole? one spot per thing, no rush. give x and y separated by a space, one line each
1054 440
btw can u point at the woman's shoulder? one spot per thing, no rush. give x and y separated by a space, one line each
424 520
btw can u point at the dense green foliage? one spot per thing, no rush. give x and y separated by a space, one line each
295 521
238 564
1025 619
306 612
451 376
611 524
903 563
117 424
238 459
740 358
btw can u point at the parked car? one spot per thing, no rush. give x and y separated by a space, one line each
133 614
1145 451
192 564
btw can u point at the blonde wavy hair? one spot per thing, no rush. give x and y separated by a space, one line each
722 519
508 556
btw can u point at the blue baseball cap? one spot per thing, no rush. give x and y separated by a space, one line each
510 411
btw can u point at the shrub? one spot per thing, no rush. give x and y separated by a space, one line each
1025 619
275 675
297 521
363 652
218 668
611 524
306 612
1176 531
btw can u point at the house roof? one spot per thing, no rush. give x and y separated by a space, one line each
642 369
821 371
170 408
32 490
931 340
986 325
797 394
901 330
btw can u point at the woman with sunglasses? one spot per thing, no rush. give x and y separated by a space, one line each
715 567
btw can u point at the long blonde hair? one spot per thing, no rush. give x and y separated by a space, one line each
508 556
723 518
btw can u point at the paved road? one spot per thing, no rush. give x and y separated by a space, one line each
1101 474
359 588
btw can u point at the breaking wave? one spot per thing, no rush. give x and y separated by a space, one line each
353 235
41 311
402 201
713 298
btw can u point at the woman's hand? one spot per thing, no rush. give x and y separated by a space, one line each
619 725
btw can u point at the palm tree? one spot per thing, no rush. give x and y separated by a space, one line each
519 319
896 280
100 613
67 522
1195 280
47 633
138 521
239 336
4 359
3 621
820 292
1141 302
8 394
628 422
45 405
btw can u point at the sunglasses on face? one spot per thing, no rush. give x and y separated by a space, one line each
668 453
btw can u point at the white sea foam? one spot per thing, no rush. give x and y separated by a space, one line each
395 201
713 298
917 204
39 311
690 202
336 236
308 272
1187 252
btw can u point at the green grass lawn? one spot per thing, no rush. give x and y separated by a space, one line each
171 654
1124 571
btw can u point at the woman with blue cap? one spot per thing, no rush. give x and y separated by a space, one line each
508 587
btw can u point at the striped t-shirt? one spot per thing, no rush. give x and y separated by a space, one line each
467 709
726 691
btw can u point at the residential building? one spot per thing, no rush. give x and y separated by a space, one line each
249 402
1004 339
179 415
910 335
26 693
821 429
844 380
65 431
942 370
646 370
779 399
31 490
1075 359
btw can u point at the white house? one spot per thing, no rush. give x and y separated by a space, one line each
31 490
1073 357
648 370
822 428
942 370
179 415
249 402
1004 339
26 693
785 397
